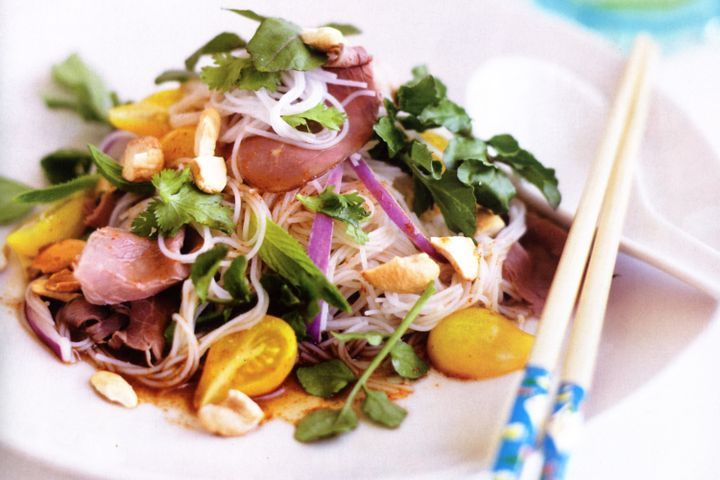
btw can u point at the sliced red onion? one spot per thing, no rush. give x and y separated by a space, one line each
268 396
319 245
115 142
392 207
41 322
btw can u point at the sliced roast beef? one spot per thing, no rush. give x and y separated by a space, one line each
100 216
95 321
117 266
148 319
274 166
531 263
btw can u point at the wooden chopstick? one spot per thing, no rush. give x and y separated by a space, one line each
582 350
531 403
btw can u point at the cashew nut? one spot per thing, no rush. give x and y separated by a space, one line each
235 416
324 39
461 253
404 274
142 159
114 388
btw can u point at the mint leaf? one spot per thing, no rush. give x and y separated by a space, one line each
174 76
112 171
235 281
325 423
372 338
406 362
220 43
325 379
276 47
345 28
381 410
231 72
10 210
87 94
348 208
493 189
65 164
204 268
284 255
59 191
328 117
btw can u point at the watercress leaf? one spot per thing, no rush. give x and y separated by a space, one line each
448 114
248 14
504 144
381 410
422 198
325 379
493 189
230 72
406 362
420 71
328 117
10 210
145 224
389 133
420 157
348 208
420 93
372 338
283 254
455 199
464 148
112 171
235 281
89 97
65 164
276 46
220 43
58 191
344 28
325 423
527 166
204 268
174 76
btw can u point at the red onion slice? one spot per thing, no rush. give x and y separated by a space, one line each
392 208
115 142
41 322
319 245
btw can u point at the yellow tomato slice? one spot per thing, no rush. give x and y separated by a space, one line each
63 220
164 98
177 144
477 343
140 118
435 139
255 361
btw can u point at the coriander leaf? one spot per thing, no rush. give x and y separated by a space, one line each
145 224
389 133
174 76
88 95
348 208
464 148
325 379
276 47
328 117
112 171
230 72
10 210
325 423
493 189
283 254
220 43
447 114
58 191
420 93
248 14
406 362
344 28
204 268
372 338
168 182
234 280
65 164
381 410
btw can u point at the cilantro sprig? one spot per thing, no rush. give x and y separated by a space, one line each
348 208
327 117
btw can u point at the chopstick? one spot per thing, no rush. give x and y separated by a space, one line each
579 365
531 402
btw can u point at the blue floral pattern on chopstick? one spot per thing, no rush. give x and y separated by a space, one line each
562 430
520 432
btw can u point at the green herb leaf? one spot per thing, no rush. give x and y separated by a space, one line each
235 281
89 97
493 189
231 72
420 93
220 43
348 208
276 47
59 191
420 157
381 410
463 148
296 305
145 224
372 338
248 14
10 210
174 76
344 28
112 171
204 268
446 114
325 379
65 164
328 117
390 134
325 423
406 362
284 255
505 145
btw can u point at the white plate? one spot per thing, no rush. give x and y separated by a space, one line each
51 421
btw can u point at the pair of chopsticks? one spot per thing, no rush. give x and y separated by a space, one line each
600 215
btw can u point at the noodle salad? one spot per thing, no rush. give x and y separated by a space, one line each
278 217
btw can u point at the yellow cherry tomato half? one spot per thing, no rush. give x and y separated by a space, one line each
141 118
435 139
164 98
477 343
255 361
